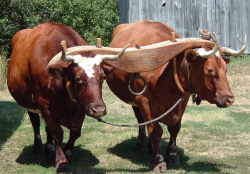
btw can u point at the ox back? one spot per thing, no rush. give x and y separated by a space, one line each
162 92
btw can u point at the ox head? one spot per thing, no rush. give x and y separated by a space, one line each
208 73
81 76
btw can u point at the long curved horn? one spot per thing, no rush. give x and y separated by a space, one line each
205 54
234 52
115 57
65 57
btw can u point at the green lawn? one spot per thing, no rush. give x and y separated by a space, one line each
211 140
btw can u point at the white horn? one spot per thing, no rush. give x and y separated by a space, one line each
206 54
234 52
115 57
66 57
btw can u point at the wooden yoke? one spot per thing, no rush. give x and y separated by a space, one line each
151 57
147 58
172 37
98 42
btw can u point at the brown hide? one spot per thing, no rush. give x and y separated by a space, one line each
32 50
162 92
43 90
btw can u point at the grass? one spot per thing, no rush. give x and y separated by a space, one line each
3 69
211 140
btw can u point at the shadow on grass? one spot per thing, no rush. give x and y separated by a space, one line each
83 160
126 150
11 116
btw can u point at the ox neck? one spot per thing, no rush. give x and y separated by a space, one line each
186 76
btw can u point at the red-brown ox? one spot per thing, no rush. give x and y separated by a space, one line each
62 88
207 78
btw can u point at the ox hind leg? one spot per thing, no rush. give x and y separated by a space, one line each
172 155
38 145
49 148
35 121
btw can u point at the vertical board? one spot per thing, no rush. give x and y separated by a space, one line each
229 19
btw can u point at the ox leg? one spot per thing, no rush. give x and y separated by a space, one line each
142 139
62 164
68 149
49 148
155 133
35 121
172 155
56 131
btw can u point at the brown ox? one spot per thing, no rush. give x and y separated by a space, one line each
207 78
61 90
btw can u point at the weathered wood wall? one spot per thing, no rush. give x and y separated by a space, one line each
229 19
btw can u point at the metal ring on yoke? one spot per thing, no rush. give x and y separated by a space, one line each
137 76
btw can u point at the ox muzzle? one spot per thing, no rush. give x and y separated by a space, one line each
225 101
96 111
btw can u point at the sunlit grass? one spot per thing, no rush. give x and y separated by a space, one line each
211 140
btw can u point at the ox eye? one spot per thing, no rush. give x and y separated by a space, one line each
79 80
210 70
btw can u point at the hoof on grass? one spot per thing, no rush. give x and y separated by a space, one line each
37 149
173 160
160 168
63 168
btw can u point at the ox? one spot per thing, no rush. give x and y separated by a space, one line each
62 88
206 77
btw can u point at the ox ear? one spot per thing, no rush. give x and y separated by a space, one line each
227 60
191 56
55 74
107 70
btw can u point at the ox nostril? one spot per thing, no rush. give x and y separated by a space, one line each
229 100
98 109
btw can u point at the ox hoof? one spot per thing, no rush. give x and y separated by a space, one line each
69 159
50 153
173 160
63 168
160 168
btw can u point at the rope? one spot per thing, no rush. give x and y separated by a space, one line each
145 123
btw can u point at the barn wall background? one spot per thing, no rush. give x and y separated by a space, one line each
229 19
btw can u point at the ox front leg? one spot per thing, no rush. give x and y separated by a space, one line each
155 133
62 164
55 130
172 155
68 149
